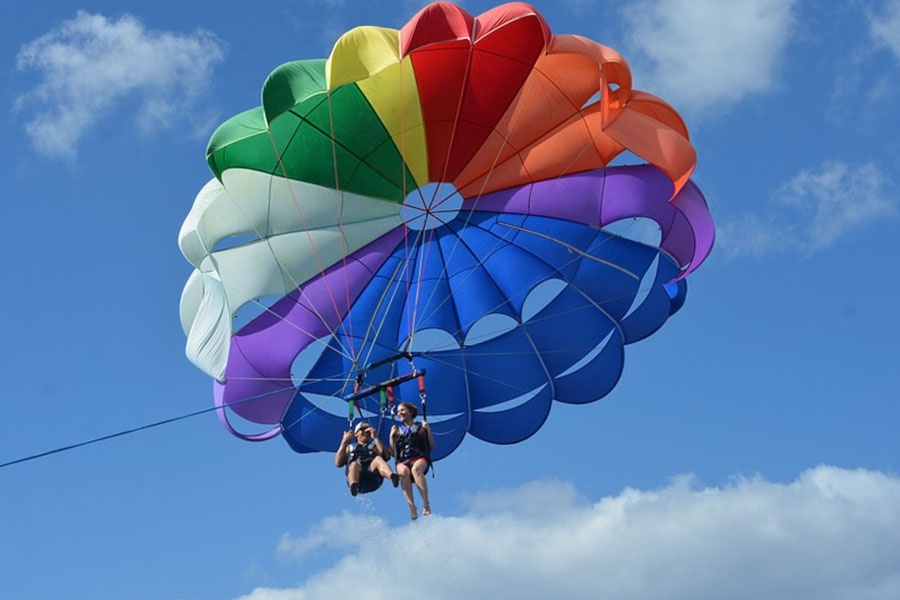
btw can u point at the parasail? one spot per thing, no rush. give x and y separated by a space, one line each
437 199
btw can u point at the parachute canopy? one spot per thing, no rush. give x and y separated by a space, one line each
444 191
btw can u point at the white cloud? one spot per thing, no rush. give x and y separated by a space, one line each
885 28
90 64
812 211
339 533
832 534
704 55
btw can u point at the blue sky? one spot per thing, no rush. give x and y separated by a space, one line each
749 450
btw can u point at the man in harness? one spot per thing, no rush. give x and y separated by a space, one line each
412 443
365 461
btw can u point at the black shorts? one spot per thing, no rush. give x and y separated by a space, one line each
413 459
369 481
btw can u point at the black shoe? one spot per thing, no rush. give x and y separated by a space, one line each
395 479
354 489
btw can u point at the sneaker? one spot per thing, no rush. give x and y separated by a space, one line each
395 479
354 489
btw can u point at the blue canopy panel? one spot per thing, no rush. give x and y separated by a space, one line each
677 291
507 314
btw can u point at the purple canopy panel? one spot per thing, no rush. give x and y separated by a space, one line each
598 198
261 390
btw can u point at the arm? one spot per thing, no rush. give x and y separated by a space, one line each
383 451
343 451
429 436
395 437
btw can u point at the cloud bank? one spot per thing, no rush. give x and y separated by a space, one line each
832 534
90 64
704 55
812 211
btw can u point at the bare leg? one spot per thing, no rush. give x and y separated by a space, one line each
418 474
354 472
406 488
380 466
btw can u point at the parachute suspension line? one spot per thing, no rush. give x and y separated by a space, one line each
387 387
313 410
411 252
464 369
470 210
348 352
456 116
414 256
338 197
420 277
573 249
604 99
406 229
422 262
450 143
443 271
577 255
284 172
399 276
474 200
403 169
407 280
413 314
355 354
505 137
262 235
375 330
406 246
597 305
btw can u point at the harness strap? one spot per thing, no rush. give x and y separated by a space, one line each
420 377
389 393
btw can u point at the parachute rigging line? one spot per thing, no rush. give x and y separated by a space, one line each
110 436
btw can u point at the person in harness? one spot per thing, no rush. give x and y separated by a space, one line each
365 461
412 443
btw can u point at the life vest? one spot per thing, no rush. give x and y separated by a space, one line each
364 453
412 443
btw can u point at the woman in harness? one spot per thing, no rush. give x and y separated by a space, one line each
412 443
365 461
